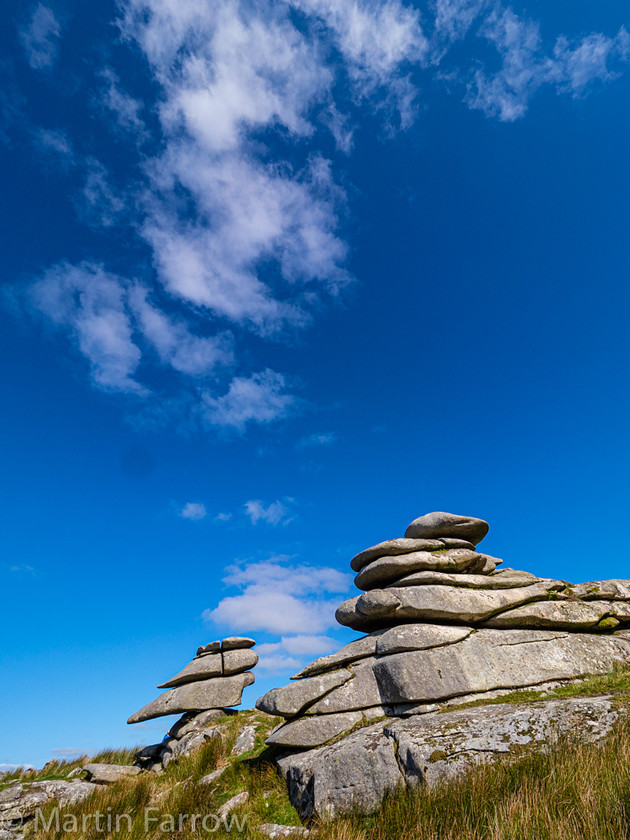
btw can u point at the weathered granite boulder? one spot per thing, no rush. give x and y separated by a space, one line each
418 637
197 721
245 740
313 731
203 667
291 699
237 642
384 570
107 774
277 832
352 775
439 524
501 579
235 661
20 801
490 659
449 603
400 545
210 665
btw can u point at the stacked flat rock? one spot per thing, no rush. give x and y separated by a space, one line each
215 679
445 625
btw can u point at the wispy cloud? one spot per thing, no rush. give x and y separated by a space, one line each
40 37
91 304
317 439
19 569
241 207
110 318
275 513
259 398
193 510
380 43
125 108
280 598
55 141
527 66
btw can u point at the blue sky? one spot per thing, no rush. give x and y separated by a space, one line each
279 277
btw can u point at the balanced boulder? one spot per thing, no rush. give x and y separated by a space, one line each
439 524
214 680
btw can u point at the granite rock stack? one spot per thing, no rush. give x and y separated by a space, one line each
443 625
214 680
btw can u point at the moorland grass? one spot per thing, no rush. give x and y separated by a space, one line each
575 791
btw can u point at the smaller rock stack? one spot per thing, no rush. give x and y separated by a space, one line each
214 680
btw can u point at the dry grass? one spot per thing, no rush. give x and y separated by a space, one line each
177 791
574 792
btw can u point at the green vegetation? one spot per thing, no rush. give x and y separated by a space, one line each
617 683
177 791
573 791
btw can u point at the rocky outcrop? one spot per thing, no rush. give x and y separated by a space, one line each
214 680
20 801
444 625
357 772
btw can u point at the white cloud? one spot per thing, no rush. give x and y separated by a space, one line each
125 107
223 517
453 18
55 141
40 37
175 344
526 66
299 645
240 208
589 60
277 663
290 652
274 514
379 41
90 304
259 398
317 439
227 70
287 600
275 612
193 510
114 325
103 205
